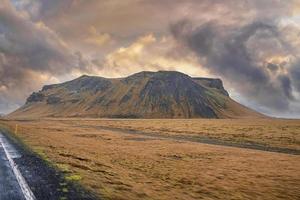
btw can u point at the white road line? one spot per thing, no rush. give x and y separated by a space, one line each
24 186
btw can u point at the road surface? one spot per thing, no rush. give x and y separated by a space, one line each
12 184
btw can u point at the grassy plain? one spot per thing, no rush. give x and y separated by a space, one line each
107 158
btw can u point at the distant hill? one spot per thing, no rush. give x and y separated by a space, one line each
163 94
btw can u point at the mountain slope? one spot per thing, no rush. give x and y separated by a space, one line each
163 94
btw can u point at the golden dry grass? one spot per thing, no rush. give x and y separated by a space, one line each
124 166
271 132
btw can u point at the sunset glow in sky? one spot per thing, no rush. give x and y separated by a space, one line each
252 45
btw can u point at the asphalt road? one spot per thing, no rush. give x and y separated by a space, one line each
12 184
25 176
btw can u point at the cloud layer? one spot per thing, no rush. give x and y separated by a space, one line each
244 56
30 54
253 46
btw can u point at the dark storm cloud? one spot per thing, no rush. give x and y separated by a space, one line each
272 67
286 86
29 53
295 74
36 45
226 51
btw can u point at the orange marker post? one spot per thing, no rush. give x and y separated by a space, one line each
16 129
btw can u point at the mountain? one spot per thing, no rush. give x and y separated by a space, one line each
162 94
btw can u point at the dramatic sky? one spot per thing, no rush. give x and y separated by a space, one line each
252 45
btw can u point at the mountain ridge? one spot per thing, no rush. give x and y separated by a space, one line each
162 94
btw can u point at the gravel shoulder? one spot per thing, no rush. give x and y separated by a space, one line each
205 140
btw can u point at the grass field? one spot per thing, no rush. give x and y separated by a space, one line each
141 159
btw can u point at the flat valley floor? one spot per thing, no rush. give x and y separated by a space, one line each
171 159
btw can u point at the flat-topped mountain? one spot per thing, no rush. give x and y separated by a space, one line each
162 94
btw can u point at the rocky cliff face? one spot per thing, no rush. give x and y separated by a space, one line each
163 94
